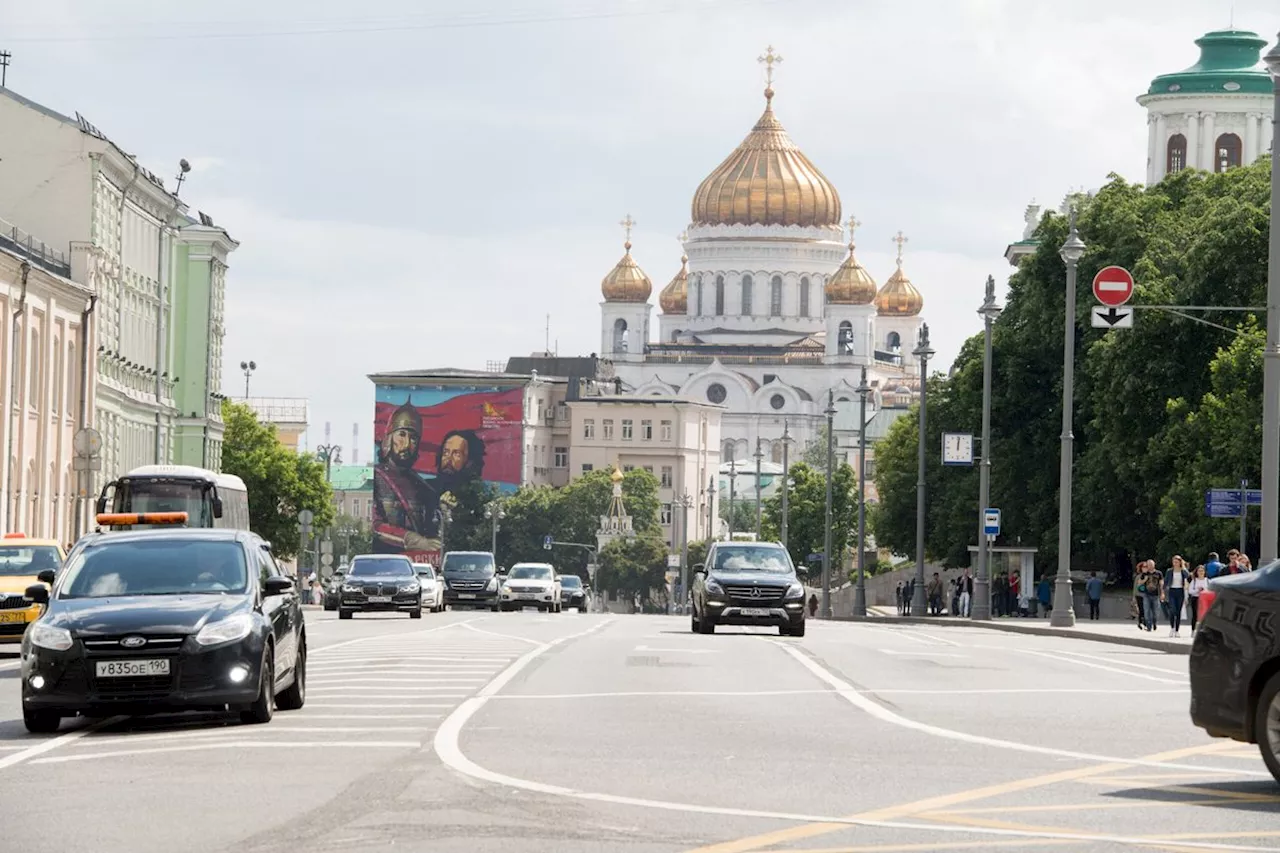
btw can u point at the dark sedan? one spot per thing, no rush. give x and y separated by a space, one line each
164 620
748 583
573 593
1235 661
380 583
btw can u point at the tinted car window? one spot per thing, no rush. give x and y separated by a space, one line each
381 568
570 582
542 573
468 563
163 567
25 560
752 558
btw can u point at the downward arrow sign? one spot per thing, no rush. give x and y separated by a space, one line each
1112 316
1108 317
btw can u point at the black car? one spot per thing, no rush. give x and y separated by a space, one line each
333 590
470 579
748 583
155 621
573 593
380 583
1235 661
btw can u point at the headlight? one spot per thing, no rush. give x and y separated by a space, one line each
350 587
49 637
411 587
493 585
227 630
796 590
714 587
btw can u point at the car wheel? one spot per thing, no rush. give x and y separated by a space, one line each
295 695
264 707
42 721
343 613
796 629
706 625
1266 725
329 606
415 614
494 608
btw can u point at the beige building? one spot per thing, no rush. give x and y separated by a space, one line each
676 440
48 387
287 414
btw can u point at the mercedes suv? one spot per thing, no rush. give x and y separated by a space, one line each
748 583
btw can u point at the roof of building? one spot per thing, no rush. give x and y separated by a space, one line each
552 366
626 282
457 374
674 298
351 478
644 400
1230 63
851 284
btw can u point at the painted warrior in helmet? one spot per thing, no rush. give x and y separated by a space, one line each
404 505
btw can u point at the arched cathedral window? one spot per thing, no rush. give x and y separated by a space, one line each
719 296
775 296
746 295
1227 151
1176 154
804 297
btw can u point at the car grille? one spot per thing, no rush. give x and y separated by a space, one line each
12 629
755 595
140 687
519 588
380 589
469 585
101 647
14 602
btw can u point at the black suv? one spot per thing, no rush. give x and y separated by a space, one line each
748 583
380 583
470 579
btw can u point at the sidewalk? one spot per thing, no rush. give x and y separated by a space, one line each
1123 632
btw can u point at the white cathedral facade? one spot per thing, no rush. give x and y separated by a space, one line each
770 311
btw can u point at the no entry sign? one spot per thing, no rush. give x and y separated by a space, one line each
1113 286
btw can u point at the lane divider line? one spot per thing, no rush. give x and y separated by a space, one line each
51 744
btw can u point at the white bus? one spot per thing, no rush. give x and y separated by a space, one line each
208 498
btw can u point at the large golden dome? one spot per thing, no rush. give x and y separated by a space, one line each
899 297
626 282
674 298
851 284
767 180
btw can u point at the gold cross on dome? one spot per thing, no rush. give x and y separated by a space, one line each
901 240
769 59
683 238
628 224
852 225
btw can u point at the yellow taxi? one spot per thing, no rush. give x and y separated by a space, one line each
21 560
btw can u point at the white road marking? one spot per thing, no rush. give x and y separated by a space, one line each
53 743
387 690
7 665
376 716
234 744
346 679
406 635
978 691
924 654
471 627
940 640
1125 662
1093 665
370 706
677 651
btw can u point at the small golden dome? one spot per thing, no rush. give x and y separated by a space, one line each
616 476
626 282
674 298
899 297
766 181
852 284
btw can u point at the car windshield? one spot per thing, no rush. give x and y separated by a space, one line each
381 568
541 573
570 582
27 560
468 564
752 558
156 567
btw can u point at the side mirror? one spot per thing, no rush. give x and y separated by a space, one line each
46 576
102 503
502 570
217 503
277 586
39 593
431 575
266 546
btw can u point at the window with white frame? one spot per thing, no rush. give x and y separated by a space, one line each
667 476
665 433
646 430
562 457
628 429
589 428
607 423
666 515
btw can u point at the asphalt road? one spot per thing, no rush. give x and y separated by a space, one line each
559 733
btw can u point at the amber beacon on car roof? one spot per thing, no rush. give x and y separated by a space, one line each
118 520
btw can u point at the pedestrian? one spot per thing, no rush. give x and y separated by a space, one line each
1152 584
1015 594
934 589
966 593
1138 608
813 604
1199 583
1212 568
1093 590
1175 584
1044 592
897 596
999 594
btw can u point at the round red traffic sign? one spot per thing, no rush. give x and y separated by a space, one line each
1113 286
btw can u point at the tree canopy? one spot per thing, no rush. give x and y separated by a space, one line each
807 514
1163 411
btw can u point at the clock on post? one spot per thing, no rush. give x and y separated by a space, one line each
957 448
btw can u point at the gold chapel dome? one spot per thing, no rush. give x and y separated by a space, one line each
674 298
851 284
899 297
626 282
767 180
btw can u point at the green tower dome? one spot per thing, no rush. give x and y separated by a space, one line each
1230 62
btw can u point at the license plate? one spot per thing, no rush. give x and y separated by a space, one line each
18 616
466 595
132 668
530 596
379 599
754 611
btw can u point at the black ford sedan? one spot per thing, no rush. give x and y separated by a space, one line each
164 620
1235 661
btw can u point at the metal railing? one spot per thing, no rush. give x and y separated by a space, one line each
36 251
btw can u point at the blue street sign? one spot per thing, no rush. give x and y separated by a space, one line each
991 521
1255 497
815 557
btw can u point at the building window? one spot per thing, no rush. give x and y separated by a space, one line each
719 296
33 365
1228 150
804 297
562 457
648 468
727 450
627 429
666 430
587 467
746 295
777 401
869 466
666 515
620 335
667 478
844 341
607 423
1176 154
894 342
775 296
697 296
646 430
716 392
589 428
627 469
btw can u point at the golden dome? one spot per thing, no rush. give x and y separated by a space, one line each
626 282
616 476
766 181
852 284
674 298
899 296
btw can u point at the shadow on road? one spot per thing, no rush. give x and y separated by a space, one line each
1252 796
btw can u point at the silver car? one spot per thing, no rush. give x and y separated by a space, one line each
432 587
531 585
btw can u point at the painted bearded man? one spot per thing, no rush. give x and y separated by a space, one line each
404 514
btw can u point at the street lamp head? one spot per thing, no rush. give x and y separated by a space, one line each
1072 250
863 388
990 309
923 351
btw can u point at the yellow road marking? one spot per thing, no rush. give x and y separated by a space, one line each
940 845
1160 842
811 830
1081 807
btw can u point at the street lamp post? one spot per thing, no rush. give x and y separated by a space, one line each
1064 615
496 513
923 352
1271 354
684 501
786 479
826 540
711 508
860 591
980 608
733 492
446 516
248 367
759 515
328 454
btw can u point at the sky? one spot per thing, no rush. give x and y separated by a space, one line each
420 184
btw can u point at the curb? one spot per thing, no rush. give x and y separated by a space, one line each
1013 628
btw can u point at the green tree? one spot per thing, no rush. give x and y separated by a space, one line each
351 536
635 566
807 513
281 483
739 514
814 453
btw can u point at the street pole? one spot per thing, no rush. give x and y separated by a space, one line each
922 352
759 516
1271 354
860 592
831 464
980 608
686 501
1244 514
733 492
711 509
786 479
1064 615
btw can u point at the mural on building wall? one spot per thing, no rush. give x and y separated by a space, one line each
428 440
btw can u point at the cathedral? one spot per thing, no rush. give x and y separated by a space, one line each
770 309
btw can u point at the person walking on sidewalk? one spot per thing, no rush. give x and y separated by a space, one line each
966 593
1214 567
1151 587
1045 593
1139 606
1093 590
1199 583
1176 580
